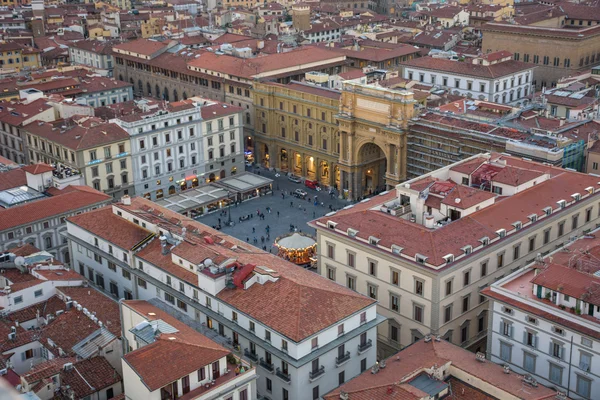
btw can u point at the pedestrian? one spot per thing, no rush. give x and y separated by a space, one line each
253 229
314 215
282 196
265 248
291 204
257 211
255 240
268 237
262 239
219 221
247 239
277 214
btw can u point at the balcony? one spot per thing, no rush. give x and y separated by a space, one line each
341 360
267 366
250 355
365 346
285 377
314 375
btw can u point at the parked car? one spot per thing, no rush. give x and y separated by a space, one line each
294 178
312 184
300 193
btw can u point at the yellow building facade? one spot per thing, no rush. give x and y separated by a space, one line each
296 131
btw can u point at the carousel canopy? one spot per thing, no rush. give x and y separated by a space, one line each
296 241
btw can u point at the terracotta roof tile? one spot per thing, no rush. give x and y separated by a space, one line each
90 376
68 202
492 71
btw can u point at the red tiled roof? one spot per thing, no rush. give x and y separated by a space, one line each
74 200
185 351
571 282
50 306
90 376
79 137
106 309
142 46
421 356
37 169
305 305
108 226
467 68
12 179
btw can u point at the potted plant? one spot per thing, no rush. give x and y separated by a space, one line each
547 296
572 309
562 306
578 311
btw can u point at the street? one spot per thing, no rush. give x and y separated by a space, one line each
285 211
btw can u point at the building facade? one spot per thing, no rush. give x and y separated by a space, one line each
98 151
427 282
494 77
373 126
95 54
234 292
296 130
557 52
544 319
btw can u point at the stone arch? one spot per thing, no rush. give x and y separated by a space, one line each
149 88
175 95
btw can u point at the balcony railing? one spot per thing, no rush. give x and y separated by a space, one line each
312 375
340 360
286 377
250 355
267 366
365 346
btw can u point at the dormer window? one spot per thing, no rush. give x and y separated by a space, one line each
517 225
507 310
533 217
331 224
449 258
590 189
501 233
352 232
548 211
467 249
576 196
373 240
561 203
485 241
420 259
396 249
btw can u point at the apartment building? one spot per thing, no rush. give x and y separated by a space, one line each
425 250
195 366
96 54
97 151
493 77
303 333
544 319
179 145
13 117
28 216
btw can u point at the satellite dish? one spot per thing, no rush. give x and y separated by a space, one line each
19 261
208 262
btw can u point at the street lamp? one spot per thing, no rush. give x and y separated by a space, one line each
229 208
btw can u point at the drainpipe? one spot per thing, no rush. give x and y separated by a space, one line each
570 360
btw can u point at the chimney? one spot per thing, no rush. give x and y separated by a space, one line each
429 221
163 245
126 200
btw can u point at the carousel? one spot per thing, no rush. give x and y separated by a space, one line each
298 248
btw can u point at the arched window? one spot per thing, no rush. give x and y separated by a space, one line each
184 95
120 77
157 91
140 86
149 88
175 95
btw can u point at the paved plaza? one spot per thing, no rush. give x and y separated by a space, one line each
298 215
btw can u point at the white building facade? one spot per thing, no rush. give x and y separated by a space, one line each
505 84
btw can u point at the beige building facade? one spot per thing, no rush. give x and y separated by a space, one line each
373 125
557 52
425 251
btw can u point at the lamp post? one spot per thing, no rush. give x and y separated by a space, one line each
229 208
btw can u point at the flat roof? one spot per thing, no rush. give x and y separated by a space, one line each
193 198
244 182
